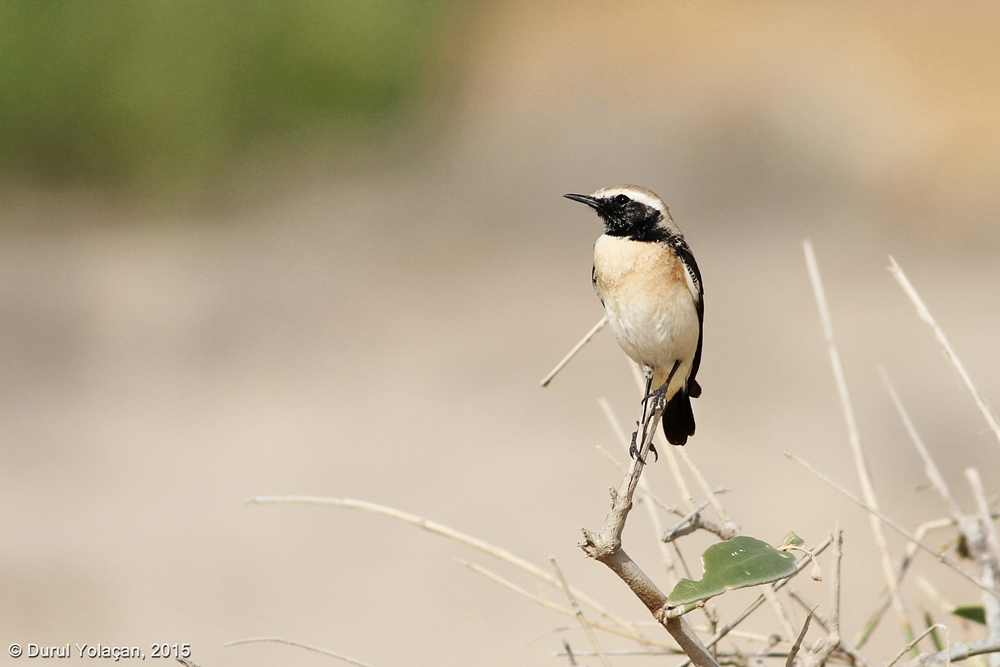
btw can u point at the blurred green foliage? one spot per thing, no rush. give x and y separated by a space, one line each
156 94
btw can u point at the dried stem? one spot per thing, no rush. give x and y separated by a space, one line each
915 641
731 529
549 604
926 316
809 609
666 449
825 647
930 467
955 653
316 649
468 540
901 571
985 551
779 612
654 516
861 464
898 528
606 547
578 612
798 642
576 348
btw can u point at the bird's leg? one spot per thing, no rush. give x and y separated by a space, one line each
660 403
633 451
661 393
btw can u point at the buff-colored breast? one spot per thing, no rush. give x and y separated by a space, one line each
649 305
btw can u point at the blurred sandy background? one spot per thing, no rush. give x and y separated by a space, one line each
324 251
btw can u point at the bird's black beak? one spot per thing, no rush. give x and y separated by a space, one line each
584 199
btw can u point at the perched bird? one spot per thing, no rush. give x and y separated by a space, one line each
650 286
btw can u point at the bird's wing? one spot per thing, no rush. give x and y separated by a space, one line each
697 288
597 288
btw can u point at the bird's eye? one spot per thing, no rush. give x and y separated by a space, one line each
621 200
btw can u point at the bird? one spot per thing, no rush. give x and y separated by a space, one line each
647 279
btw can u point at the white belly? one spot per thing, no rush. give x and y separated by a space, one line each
649 305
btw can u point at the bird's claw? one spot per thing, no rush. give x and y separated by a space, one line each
633 451
659 394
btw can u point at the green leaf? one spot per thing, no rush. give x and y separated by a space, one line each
935 638
736 563
972 612
792 540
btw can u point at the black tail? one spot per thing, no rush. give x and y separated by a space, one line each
678 419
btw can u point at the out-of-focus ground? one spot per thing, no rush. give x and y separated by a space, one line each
380 333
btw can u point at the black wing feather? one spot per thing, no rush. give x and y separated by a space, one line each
593 281
686 256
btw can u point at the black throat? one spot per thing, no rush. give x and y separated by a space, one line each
637 222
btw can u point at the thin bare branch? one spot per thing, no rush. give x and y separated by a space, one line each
613 422
809 609
901 571
946 606
618 652
606 547
445 531
281 640
615 462
549 604
821 652
779 612
985 516
691 517
654 516
576 348
511 586
930 467
728 526
985 553
898 528
578 612
955 653
925 315
798 642
913 643
860 463
666 449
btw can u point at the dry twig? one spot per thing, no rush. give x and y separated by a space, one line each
898 528
654 517
985 551
468 540
819 654
578 613
955 653
281 640
606 547
913 643
549 604
860 463
798 642
572 353
926 316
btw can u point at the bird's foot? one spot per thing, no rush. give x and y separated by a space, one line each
660 395
633 450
